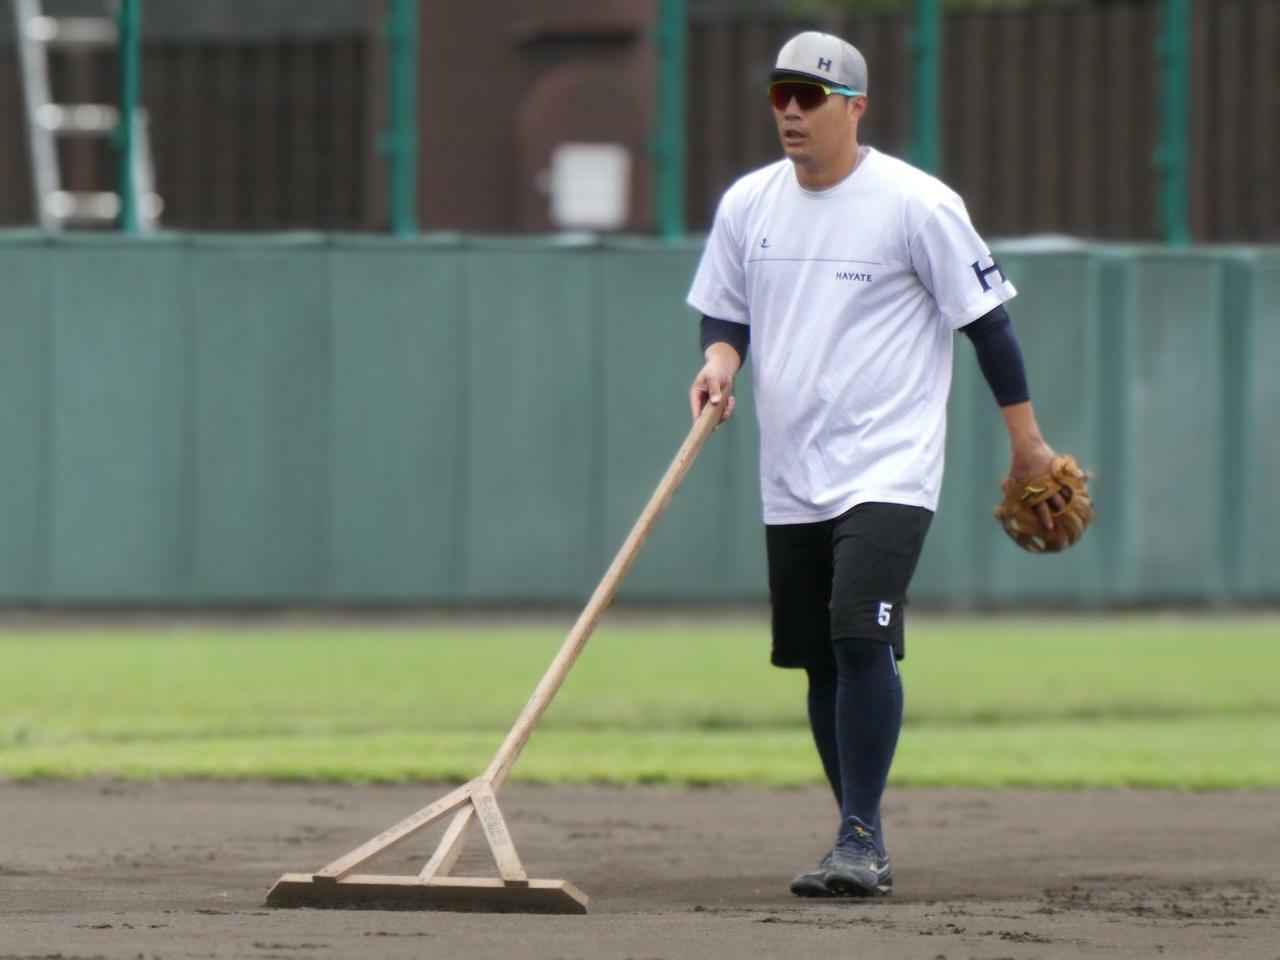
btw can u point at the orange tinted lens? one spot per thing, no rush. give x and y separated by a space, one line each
807 95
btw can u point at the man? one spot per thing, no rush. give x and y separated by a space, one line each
848 272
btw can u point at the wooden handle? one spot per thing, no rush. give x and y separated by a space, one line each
603 596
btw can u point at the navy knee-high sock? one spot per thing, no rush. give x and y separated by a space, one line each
868 719
822 721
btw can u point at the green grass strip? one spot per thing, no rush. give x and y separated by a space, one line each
1188 754
1105 701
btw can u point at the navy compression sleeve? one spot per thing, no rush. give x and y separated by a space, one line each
736 335
999 356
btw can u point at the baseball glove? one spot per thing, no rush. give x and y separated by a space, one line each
1017 513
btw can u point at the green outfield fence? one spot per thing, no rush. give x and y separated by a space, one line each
321 419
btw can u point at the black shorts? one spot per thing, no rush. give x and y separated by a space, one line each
842 579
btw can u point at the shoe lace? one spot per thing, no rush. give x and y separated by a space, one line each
859 841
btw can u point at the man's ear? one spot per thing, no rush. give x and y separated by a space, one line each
857 107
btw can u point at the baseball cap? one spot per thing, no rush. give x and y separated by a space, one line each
824 58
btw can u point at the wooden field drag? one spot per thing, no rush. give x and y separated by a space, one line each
338 886
486 894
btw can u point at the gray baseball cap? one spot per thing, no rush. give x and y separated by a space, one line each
822 57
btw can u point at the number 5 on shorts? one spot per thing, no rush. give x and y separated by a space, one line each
886 610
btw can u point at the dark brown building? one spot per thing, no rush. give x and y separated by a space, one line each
267 116
508 82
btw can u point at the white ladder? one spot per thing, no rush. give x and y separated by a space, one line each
48 121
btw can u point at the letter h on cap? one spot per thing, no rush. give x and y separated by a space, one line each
824 64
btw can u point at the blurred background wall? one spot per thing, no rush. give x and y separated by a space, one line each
293 419
267 401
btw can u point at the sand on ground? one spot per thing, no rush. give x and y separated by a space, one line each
181 869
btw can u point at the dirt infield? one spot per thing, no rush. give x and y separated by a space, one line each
180 870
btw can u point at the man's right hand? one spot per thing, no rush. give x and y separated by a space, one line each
714 381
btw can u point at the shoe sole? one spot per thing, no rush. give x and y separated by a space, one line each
847 887
811 888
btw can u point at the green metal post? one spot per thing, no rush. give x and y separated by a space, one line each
669 146
129 25
1172 155
926 54
400 143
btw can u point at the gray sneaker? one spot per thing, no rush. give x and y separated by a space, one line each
854 867
813 883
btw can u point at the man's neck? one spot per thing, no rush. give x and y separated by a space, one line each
823 178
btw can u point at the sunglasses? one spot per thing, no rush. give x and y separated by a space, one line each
807 93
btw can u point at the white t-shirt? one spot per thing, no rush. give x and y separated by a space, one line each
853 295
